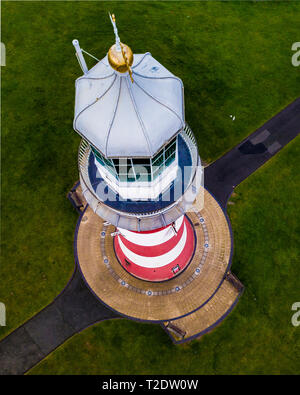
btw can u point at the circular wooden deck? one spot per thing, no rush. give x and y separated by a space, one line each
138 299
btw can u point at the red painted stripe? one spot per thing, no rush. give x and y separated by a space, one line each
156 250
161 273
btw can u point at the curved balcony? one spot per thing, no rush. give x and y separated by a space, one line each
144 215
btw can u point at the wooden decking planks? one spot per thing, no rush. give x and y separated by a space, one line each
207 317
164 303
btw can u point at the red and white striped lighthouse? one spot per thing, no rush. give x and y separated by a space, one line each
139 164
158 254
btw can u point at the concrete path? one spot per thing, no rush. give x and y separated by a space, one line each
73 310
223 175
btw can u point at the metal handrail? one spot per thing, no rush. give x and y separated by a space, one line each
83 163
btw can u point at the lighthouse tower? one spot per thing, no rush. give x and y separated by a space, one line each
152 244
138 160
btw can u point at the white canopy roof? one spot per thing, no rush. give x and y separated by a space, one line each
125 119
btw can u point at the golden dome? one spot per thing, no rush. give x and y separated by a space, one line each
116 58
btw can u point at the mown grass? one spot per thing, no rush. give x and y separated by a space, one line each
234 58
258 337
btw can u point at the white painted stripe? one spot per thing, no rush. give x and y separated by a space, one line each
158 261
151 239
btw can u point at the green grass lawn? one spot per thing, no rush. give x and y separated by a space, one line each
234 58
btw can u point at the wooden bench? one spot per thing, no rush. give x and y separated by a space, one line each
76 201
234 281
177 331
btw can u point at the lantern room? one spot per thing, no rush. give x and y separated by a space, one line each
132 127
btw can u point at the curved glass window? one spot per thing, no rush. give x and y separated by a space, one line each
124 170
141 169
107 163
170 152
164 158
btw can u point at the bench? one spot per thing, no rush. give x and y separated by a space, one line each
234 281
177 331
75 200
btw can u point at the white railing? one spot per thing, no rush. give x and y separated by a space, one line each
191 142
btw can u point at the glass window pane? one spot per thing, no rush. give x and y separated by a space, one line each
158 156
141 161
111 170
158 160
122 162
170 143
157 171
143 177
108 163
100 160
170 149
104 162
170 159
142 169
124 169
98 155
116 164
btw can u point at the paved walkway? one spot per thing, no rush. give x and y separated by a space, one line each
210 315
72 311
223 175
